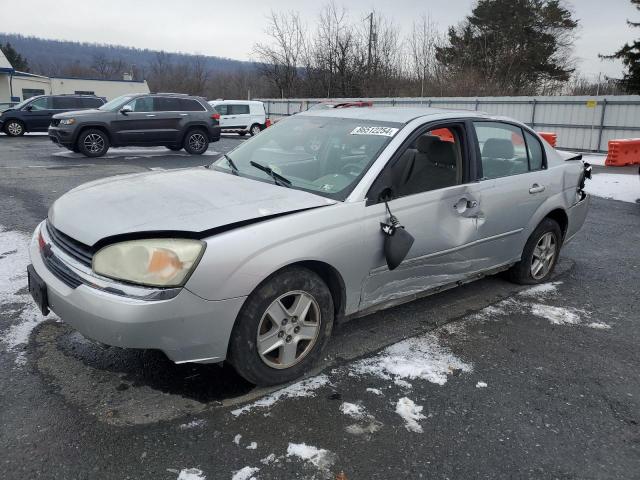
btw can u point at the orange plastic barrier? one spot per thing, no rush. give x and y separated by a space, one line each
444 134
623 152
550 137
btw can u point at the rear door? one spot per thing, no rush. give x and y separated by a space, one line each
513 184
169 114
433 201
37 115
239 116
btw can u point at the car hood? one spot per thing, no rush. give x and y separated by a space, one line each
193 200
79 113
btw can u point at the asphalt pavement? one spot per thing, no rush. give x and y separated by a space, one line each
489 380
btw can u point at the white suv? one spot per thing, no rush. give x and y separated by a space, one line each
241 116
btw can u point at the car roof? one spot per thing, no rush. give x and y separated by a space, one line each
394 114
241 102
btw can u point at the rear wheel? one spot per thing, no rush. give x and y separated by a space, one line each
282 328
539 256
196 142
14 128
255 129
93 143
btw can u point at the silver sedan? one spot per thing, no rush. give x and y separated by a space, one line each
329 214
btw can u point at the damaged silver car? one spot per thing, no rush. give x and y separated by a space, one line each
326 215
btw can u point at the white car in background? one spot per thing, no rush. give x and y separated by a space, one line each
241 116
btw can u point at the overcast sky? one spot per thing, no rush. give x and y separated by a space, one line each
230 28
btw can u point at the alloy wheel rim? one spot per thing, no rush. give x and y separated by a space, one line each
255 130
197 141
94 143
544 255
14 128
288 329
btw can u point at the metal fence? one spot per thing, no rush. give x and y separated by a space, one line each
581 123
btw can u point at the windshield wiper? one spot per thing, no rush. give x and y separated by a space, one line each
234 168
277 178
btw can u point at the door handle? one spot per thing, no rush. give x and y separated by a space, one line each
150 115
535 188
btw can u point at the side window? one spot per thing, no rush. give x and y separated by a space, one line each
91 102
502 148
43 103
142 104
238 109
221 109
66 103
432 161
167 104
190 105
534 149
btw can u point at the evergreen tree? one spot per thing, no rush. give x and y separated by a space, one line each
630 56
15 59
512 46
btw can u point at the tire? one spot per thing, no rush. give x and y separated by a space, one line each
93 143
196 142
174 148
255 129
292 355
242 134
14 128
545 240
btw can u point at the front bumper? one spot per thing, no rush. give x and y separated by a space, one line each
61 136
187 328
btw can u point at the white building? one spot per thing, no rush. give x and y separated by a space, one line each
16 86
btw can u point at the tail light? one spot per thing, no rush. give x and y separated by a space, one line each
216 116
267 123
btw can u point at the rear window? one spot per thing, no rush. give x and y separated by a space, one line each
238 109
221 109
66 103
190 105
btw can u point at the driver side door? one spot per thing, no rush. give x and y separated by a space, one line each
433 200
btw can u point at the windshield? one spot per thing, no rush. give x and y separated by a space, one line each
323 155
115 103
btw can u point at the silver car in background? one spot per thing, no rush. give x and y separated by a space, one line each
328 214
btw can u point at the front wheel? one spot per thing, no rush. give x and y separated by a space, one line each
539 256
196 142
282 328
93 143
14 128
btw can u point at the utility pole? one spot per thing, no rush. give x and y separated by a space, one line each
370 17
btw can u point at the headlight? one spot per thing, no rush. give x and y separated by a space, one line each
67 121
161 262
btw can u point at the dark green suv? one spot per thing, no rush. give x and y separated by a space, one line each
172 120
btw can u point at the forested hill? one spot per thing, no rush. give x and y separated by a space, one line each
57 57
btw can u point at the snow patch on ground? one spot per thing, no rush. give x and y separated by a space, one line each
245 473
191 474
193 424
556 315
616 186
411 414
415 358
375 391
599 325
304 388
321 458
271 458
236 439
541 290
14 258
252 446
368 428
352 410
481 385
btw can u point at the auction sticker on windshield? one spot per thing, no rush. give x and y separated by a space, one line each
383 131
